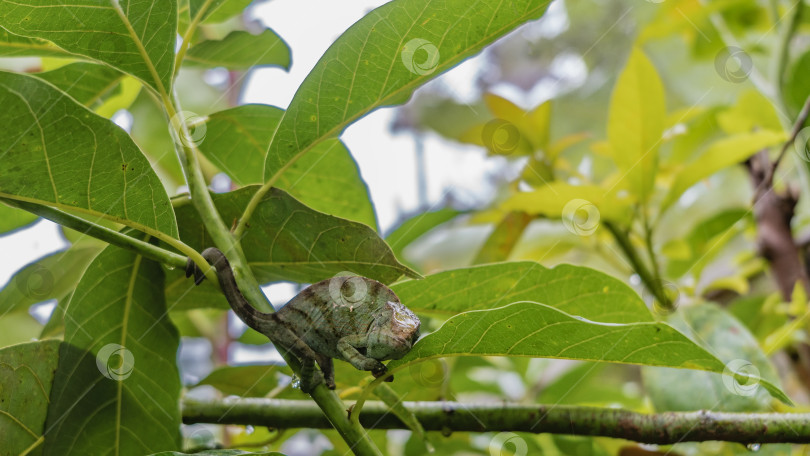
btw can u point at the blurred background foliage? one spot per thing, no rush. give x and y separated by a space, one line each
733 78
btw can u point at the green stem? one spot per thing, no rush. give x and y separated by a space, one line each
647 277
102 233
660 428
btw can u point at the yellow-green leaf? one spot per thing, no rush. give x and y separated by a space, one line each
636 123
721 154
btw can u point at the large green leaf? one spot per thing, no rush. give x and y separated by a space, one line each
537 330
285 241
636 123
674 390
134 36
60 154
573 289
721 154
51 277
26 377
86 82
117 386
383 58
327 179
241 50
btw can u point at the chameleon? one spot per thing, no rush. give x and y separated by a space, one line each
351 318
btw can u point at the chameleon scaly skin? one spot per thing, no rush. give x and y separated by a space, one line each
353 318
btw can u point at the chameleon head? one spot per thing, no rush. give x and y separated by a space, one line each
394 333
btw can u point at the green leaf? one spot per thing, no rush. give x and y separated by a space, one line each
60 154
26 377
51 277
135 37
582 205
87 83
327 179
246 381
117 386
703 243
216 10
241 50
382 59
537 330
285 241
502 241
721 154
20 46
636 123
751 112
17 328
413 228
533 125
573 289
12 219
673 390
223 10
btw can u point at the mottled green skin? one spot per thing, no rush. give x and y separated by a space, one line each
352 318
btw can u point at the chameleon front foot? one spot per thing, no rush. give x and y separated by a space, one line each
379 372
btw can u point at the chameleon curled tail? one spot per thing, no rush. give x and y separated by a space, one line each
353 318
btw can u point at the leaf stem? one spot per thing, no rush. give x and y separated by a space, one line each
192 27
649 279
658 428
113 237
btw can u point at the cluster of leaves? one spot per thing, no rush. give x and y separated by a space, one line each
103 373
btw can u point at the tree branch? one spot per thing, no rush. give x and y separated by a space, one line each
660 428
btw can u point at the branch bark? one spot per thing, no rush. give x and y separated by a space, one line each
662 428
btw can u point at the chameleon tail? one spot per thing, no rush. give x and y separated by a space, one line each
259 321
